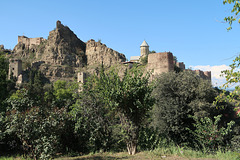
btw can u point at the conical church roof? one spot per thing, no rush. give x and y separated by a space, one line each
144 44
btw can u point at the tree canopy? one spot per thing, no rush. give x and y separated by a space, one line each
178 96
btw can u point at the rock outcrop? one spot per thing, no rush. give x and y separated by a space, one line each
63 53
63 48
97 52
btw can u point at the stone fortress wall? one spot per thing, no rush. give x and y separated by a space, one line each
30 41
202 74
164 62
160 62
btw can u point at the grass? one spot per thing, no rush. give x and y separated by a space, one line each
170 153
13 158
167 153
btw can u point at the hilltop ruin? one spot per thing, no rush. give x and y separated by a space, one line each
64 56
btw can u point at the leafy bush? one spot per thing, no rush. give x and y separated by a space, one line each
38 128
208 134
150 139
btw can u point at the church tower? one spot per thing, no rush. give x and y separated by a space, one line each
144 49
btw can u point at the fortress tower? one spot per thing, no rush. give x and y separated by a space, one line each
15 67
144 49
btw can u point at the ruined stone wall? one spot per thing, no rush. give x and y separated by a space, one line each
30 41
180 65
160 62
204 75
97 52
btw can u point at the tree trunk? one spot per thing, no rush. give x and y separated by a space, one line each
132 147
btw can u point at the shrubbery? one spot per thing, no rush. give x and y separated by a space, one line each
113 112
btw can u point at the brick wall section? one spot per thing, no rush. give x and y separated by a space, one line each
160 62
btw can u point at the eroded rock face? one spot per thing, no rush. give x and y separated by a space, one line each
97 52
63 53
63 48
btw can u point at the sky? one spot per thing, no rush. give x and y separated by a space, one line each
192 30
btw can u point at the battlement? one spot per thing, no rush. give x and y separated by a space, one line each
30 41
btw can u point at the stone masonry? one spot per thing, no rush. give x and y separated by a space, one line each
163 62
160 62
15 67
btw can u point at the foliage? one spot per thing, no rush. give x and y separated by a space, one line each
232 77
65 93
131 98
37 128
150 139
179 95
208 134
93 123
5 85
128 98
152 52
3 77
235 10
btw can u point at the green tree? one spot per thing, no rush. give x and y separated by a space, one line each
65 93
179 95
232 77
128 98
233 74
93 123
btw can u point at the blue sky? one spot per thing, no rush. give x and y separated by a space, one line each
191 30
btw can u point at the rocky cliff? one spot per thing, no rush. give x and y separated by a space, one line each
63 54
97 52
